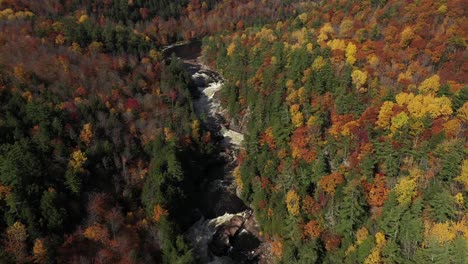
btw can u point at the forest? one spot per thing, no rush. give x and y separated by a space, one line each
354 113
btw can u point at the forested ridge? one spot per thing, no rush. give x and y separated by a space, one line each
354 149
101 151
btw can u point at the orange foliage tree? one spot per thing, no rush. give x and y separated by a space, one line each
312 229
377 192
328 183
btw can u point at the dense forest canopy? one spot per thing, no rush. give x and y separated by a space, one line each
356 147
355 139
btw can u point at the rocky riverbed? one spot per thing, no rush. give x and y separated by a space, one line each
226 231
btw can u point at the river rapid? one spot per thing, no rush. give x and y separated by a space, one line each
226 231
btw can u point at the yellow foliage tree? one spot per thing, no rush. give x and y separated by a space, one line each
399 121
385 114
380 239
347 128
231 48
359 78
422 105
462 112
361 235
302 95
75 47
196 129
238 177
430 85
452 127
155 55
337 44
266 34
459 199
404 98
463 177
408 75
169 134
303 17
324 33
406 36
406 190
77 159
312 121
300 36
375 255
17 232
351 53
15 241
83 19
297 119
318 63
292 202
441 232
345 26
373 60
27 96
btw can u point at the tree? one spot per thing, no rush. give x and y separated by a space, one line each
86 134
231 48
359 78
324 33
159 212
330 182
406 37
310 206
77 160
312 229
96 233
441 203
351 53
431 85
40 252
406 190
377 192
292 202
463 177
375 255
15 242
385 114
51 211
399 121
352 210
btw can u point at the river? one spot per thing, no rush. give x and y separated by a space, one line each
227 231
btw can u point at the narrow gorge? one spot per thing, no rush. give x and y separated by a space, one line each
226 231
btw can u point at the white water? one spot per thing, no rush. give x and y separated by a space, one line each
210 106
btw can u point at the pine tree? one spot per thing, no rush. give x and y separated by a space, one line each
352 210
